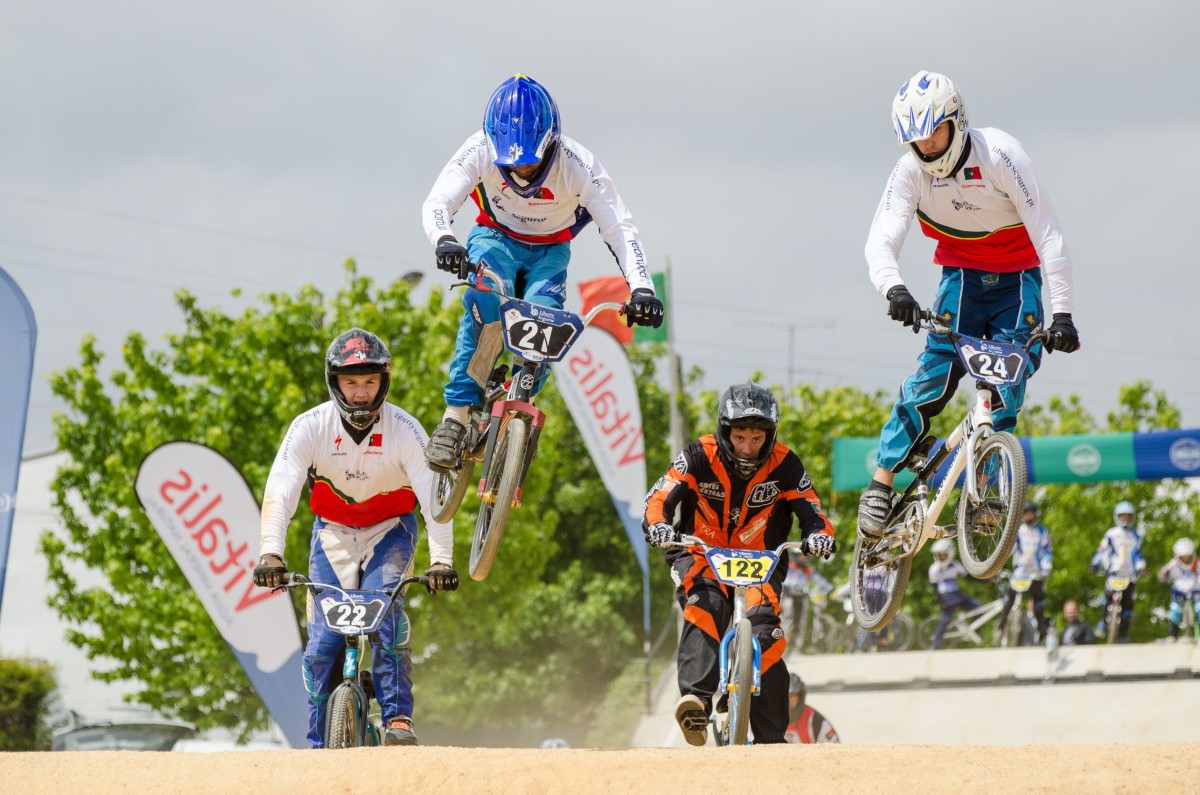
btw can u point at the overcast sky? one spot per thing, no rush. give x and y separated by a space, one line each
146 146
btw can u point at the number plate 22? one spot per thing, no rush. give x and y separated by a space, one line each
741 566
352 613
538 333
993 362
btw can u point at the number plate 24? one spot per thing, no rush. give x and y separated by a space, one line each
538 333
741 566
993 362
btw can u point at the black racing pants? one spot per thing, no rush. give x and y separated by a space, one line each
1036 592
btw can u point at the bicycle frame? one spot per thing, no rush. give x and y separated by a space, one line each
520 386
355 647
963 443
739 613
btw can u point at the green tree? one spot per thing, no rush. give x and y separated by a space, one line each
25 690
563 598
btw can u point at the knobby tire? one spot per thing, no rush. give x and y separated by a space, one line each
343 719
741 665
987 566
497 503
449 489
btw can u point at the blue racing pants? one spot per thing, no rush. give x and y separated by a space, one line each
541 270
367 559
998 306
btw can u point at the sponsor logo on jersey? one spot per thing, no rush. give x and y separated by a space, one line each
376 440
965 205
337 443
805 483
972 172
680 464
712 490
356 475
763 494
755 528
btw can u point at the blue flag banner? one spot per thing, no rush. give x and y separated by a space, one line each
18 337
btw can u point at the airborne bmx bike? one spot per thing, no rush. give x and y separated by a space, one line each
739 655
502 435
990 502
356 615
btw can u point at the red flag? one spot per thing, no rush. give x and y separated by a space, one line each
607 288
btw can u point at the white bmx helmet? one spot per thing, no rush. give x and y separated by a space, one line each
925 101
1183 548
944 546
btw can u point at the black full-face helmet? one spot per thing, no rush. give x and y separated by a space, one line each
746 406
357 352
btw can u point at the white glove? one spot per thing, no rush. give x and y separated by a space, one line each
820 545
661 533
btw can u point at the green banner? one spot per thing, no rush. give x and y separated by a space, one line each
854 463
648 333
1081 459
1091 458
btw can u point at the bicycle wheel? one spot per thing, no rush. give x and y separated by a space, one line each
987 529
343 718
1113 622
877 583
898 635
831 635
507 459
1013 624
741 678
449 489
951 638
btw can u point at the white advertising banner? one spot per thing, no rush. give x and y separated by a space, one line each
597 385
209 519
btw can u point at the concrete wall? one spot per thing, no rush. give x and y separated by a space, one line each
1087 694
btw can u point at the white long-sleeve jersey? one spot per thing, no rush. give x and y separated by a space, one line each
944 576
993 215
355 486
1032 553
574 191
1120 553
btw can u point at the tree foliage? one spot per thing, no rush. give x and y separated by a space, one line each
25 691
559 618
564 596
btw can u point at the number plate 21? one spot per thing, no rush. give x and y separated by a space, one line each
741 566
538 333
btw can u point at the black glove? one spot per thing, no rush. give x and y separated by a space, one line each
270 571
1062 335
644 309
903 307
659 534
451 256
441 578
820 545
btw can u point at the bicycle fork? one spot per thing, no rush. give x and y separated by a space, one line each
739 612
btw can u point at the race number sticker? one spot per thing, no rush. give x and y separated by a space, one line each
538 333
741 566
993 362
353 613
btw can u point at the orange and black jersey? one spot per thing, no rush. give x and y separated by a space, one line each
724 510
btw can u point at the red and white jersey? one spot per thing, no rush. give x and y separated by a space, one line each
993 215
355 486
575 191
811 727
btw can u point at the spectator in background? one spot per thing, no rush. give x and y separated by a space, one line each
1076 632
806 724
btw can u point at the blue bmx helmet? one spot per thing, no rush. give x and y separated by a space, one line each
521 122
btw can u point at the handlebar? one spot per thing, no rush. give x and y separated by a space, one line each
474 273
692 541
933 323
294 579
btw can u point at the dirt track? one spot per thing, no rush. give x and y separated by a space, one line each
1132 768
